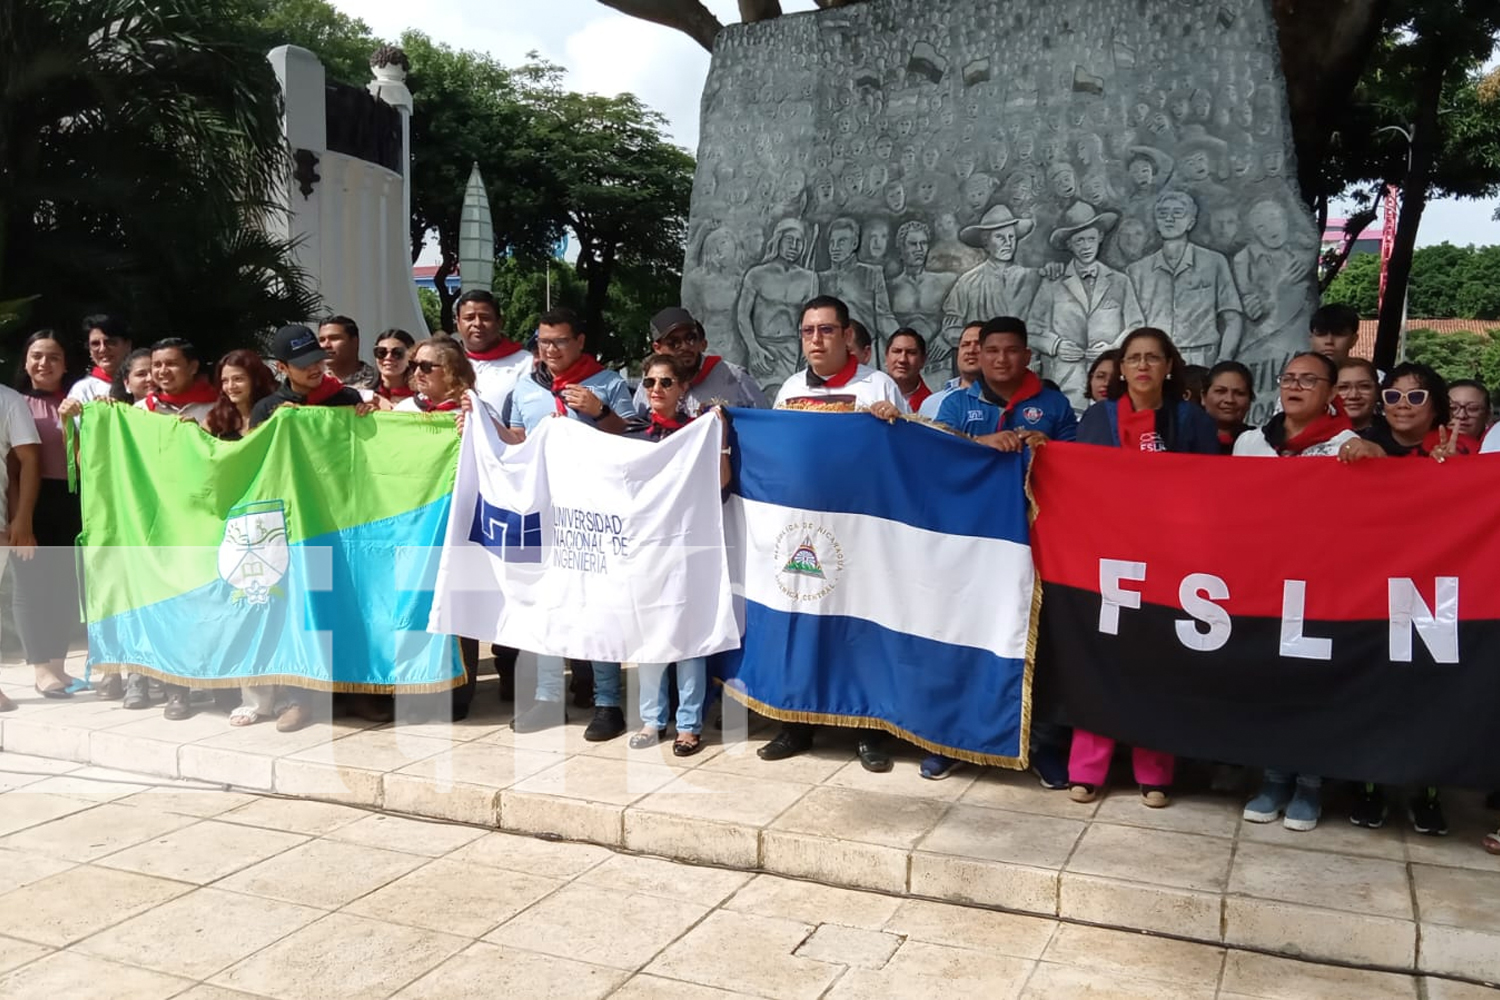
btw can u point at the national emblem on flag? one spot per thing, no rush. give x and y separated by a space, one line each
253 556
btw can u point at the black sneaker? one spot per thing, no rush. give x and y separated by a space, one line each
1427 815
1369 809
608 722
541 716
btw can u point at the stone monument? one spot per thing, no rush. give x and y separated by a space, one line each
1088 165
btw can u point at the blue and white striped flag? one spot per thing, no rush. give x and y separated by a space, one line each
883 579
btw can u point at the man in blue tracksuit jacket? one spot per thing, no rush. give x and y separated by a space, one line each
1008 400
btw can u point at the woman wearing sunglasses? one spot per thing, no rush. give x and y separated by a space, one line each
393 361
440 374
1414 401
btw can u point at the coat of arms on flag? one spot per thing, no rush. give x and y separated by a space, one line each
253 556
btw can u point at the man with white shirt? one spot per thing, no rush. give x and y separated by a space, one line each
498 362
968 370
833 382
108 344
181 389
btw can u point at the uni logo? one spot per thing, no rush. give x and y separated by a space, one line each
515 538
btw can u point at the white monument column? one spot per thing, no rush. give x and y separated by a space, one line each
389 66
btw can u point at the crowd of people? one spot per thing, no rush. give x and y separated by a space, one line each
1144 397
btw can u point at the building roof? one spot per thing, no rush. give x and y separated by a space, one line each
1364 347
1334 234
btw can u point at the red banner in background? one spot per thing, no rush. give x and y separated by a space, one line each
1387 236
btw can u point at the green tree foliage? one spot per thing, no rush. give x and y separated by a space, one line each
1452 355
1357 285
342 43
140 143
432 310
1447 282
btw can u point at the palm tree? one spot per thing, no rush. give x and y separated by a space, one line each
140 143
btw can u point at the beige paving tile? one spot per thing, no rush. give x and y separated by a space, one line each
1457 897
1141 906
1070 982
237 768
475 805
888 984
999 835
205 992
205 803
562 817
1317 933
870 817
1455 851
1124 954
667 879
151 725
15 953
409 836
375 750
1020 791
82 977
454 898
656 988
56 739
356 786
48 911
136 754
18 868
1460 951
342 957
1334 833
964 969
90 835
619 930
94 784
739 951
196 935
905 778
1023 888
726 844
595 780
851 946
486 971
1447 989
28 807
547 858
264 740
1212 817
486 764
966 927
1316 878
842 862
1284 979
1183 860
810 903
322 873
304 816
18 770
812 768
204 852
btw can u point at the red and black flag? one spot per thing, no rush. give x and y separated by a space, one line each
1334 620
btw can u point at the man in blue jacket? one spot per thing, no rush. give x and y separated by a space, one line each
1008 403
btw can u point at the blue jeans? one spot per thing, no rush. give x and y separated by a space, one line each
549 681
692 689
1274 777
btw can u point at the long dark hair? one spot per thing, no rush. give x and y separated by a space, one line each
224 419
1428 379
23 380
1172 388
117 390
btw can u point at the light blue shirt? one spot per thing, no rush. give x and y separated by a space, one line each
530 403
929 408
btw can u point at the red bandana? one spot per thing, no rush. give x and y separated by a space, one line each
838 379
199 392
585 367
915 400
1137 427
1461 444
710 361
428 406
1326 427
666 425
504 349
101 374
1226 438
400 392
325 391
1031 387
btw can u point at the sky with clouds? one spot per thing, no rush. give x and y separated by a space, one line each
609 53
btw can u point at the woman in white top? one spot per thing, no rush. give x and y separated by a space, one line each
1312 421
441 374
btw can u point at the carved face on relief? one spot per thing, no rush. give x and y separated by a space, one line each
930 158
946 226
1195 165
1095 189
895 197
1268 223
1001 244
1274 161
883 147
842 242
790 248
977 191
1224 226
878 177
877 240
1063 181
964 165
914 248
1132 237
909 160
1084 245
904 128
926 191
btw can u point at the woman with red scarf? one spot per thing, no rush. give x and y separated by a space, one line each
1227 399
393 361
440 374
1146 411
46 581
1414 401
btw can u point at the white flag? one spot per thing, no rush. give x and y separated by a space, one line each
587 545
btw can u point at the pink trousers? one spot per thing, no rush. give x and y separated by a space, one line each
1088 761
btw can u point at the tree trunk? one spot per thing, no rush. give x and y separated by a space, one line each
687 16
596 296
1424 149
446 296
759 10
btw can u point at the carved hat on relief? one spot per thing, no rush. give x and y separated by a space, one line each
1195 139
999 217
1080 216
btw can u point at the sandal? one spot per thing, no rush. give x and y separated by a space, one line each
682 748
1491 842
245 715
646 738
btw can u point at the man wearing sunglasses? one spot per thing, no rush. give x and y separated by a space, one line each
714 381
108 344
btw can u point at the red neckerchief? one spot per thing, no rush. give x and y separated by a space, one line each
666 425
710 361
504 349
199 392
1137 427
1031 387
1461 444
587 366
918 396
1326 427
101 374
400 392
428 406
838 379
1226 438
325 391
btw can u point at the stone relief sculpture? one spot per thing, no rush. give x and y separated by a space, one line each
1088 165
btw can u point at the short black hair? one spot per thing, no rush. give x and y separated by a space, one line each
1194 382
562 316
1428 379
112 327
479 295
117 390
907 331
1233 368
862 338
1337 319
350 327
1004 324
400 335
185 346
664 360
838 305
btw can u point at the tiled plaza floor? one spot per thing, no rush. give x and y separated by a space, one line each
1388 899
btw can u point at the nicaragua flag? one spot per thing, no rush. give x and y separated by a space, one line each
886 581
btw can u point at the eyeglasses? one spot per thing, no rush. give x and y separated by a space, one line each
824 331
427 367
1469 409
1412 397
666 382
1136 360
549 344
394 353
670 344
1301 380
